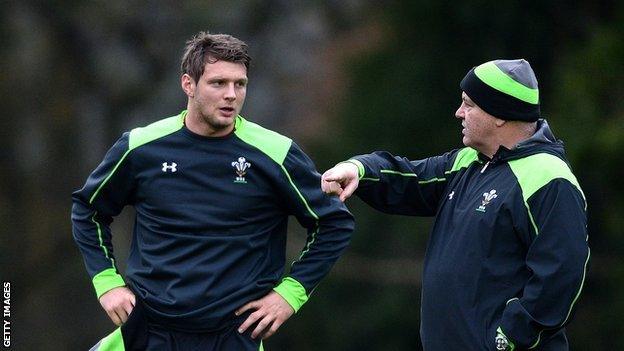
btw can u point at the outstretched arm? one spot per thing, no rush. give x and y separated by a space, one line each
396 185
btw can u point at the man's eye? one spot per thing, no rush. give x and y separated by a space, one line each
217 83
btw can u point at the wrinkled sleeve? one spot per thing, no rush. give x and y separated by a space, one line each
557 258
328 222
107 190
396 185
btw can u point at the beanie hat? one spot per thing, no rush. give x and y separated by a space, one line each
506 89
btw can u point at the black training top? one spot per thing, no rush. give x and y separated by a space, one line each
211 216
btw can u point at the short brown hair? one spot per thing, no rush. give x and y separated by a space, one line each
209 48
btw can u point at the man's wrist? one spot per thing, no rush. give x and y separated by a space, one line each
106 280
360 167
293 292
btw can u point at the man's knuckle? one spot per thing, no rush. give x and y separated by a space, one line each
257 314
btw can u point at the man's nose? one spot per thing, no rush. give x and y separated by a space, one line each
459 113
230 92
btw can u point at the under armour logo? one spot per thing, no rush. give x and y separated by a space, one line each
451 195
171 168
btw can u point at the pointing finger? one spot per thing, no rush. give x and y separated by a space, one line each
348 190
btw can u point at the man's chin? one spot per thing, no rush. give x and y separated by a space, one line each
466 141
222 122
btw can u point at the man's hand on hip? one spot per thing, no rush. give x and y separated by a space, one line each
271 312
118 304
341 180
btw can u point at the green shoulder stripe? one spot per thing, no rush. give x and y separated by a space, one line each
144 135
464 158
156 130
273 144
535 171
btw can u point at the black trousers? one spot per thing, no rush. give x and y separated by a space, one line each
140 334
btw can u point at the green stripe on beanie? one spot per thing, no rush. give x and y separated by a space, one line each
491 75
506 89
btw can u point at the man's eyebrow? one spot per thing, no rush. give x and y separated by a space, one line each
244 79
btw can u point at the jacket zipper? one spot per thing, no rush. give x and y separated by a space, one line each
484 167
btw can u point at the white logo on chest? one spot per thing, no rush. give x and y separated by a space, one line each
166 167
241 166
487 198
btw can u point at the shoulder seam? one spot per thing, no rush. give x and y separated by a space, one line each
463 159
547 171
530 182
168 126
155 131
273 144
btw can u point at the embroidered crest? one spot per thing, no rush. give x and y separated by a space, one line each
241 166
501 342
487 197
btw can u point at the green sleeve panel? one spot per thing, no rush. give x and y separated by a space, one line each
156 130
144 135
106 280
550 167
273 144
293 292
464 158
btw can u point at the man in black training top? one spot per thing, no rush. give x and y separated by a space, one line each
212 193
507 255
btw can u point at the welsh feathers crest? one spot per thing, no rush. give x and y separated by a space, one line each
241 166
487 197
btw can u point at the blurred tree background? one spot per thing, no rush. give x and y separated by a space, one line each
341 78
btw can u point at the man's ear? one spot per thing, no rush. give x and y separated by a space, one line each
188 85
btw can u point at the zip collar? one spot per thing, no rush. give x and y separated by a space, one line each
542 141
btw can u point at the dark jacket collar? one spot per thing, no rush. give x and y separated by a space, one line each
542 141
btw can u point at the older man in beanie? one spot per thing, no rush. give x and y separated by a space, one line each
507 255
